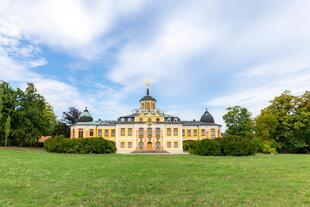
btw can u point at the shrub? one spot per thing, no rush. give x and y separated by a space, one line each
207 147
61 144
189 145
237 146
266 146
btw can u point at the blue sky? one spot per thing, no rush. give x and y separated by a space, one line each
196 54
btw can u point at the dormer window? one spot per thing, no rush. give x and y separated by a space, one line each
129 120
122 119
175 119
169 119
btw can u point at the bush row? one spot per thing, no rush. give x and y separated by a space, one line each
61 144
227 146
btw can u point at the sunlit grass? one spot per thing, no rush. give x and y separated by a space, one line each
38 178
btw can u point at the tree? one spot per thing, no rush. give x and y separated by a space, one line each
61 128
71 116
293 116
238 121
33 117
7 130
7 107
265 126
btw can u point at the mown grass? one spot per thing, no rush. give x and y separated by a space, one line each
38 178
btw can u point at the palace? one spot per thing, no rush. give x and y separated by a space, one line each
147 129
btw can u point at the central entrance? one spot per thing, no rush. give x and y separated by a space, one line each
149 146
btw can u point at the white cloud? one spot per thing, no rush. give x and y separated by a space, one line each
72 25
260 55
179 36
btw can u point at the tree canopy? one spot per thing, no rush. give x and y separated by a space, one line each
238 121
25 115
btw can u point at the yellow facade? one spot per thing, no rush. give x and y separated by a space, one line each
147 129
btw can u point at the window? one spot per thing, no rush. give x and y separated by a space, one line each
129 131
73 135
148 106
149 120
140 132
195 132
99 132
149 132
141 120
175 119
175 132
80 133
168 144
169 119
157 119
157 145
176 144
91 132
122 119
142 105
168 131
129 144
189 132
106 132
129 119
122 131
140 145
203 132
122 144
157 132
212 133
183 132
113 133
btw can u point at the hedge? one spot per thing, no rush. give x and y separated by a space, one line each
237 146
208 147
189 145
81 146
227 146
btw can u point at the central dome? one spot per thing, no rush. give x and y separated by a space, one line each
207 117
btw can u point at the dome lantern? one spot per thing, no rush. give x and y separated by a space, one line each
147 102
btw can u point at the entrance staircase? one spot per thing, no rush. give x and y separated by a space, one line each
150 151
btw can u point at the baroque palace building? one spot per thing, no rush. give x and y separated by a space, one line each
147 129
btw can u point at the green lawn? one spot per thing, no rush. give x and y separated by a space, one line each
38 178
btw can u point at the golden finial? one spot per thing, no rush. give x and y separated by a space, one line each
147 83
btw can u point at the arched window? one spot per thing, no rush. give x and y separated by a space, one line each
157 132
141 132
148 106
142 106
141 120
157 119
169 119
141 145
149 120
149 132
122 119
